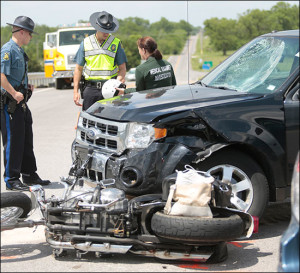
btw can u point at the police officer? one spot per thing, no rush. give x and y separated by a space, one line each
154 72
100 57
16 119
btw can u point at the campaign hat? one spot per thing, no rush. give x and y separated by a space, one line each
104 22
23 22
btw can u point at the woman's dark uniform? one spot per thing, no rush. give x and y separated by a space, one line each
153 74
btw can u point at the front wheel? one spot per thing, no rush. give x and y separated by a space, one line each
250 190
226 227
14 205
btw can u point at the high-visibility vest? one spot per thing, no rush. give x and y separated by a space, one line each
100 59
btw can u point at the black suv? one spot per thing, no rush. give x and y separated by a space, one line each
240 123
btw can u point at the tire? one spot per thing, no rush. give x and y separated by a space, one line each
59 83
197 229
234 167
14 205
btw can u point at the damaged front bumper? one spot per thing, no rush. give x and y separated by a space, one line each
136 171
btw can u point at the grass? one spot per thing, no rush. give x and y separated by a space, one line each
208 54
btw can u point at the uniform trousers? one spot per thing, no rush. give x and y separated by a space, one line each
91 94
17 137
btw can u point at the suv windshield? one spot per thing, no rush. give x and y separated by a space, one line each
74 37
261 66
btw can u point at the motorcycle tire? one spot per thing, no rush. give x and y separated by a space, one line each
196 229
14 205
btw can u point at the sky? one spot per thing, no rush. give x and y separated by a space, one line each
54 13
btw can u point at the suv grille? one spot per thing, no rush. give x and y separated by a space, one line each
110 129
108 133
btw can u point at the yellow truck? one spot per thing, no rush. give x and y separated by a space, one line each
59 49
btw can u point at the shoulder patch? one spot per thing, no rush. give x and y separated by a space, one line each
6 56
113 47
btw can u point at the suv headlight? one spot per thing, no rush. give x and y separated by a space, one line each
142 135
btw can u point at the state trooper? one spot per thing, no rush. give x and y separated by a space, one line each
16 119
99 58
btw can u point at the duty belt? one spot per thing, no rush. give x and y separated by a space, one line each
97 84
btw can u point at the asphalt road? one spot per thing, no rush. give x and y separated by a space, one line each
25 250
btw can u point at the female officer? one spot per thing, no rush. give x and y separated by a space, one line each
154 72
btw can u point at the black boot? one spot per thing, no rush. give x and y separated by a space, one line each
16 185
34 179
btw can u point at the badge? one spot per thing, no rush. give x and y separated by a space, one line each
6 56
113 47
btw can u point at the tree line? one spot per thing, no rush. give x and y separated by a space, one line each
225 34
170 37
228 34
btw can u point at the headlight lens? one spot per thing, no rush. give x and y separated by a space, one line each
142 135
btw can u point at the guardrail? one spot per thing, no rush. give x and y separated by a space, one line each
38 79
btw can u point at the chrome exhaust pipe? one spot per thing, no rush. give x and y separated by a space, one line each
103 248
172 255
88 246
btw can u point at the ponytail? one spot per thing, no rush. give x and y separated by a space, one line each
156 54
149 44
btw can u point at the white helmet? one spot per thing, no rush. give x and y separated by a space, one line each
109 88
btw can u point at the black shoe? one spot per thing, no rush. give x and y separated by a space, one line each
16 185
34 179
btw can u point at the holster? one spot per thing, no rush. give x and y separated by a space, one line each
25 91
10 101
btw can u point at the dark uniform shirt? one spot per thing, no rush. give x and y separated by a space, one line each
153 74
13 63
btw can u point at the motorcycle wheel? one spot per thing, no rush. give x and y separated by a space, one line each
196 229
14 205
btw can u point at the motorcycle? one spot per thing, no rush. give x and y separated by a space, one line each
97 217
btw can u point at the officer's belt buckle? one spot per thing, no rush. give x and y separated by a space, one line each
99 85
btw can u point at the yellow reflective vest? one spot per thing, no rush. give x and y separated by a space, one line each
100 59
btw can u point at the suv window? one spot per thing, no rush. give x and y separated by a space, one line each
261 66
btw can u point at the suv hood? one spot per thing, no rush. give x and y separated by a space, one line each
146 106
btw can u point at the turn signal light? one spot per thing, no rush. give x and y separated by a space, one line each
160 132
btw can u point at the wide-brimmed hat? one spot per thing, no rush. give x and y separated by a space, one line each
23 22
104 22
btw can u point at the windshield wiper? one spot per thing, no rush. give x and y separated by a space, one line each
224 88
216 87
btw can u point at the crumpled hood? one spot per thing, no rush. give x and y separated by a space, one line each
146 106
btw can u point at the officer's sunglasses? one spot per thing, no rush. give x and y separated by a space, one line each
30 33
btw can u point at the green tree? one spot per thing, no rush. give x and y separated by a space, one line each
170 37
222 33
285 16
133 25
253 23
132 54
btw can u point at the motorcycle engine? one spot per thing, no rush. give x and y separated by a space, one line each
106 216
111 195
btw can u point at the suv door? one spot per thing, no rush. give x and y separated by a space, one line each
291 109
